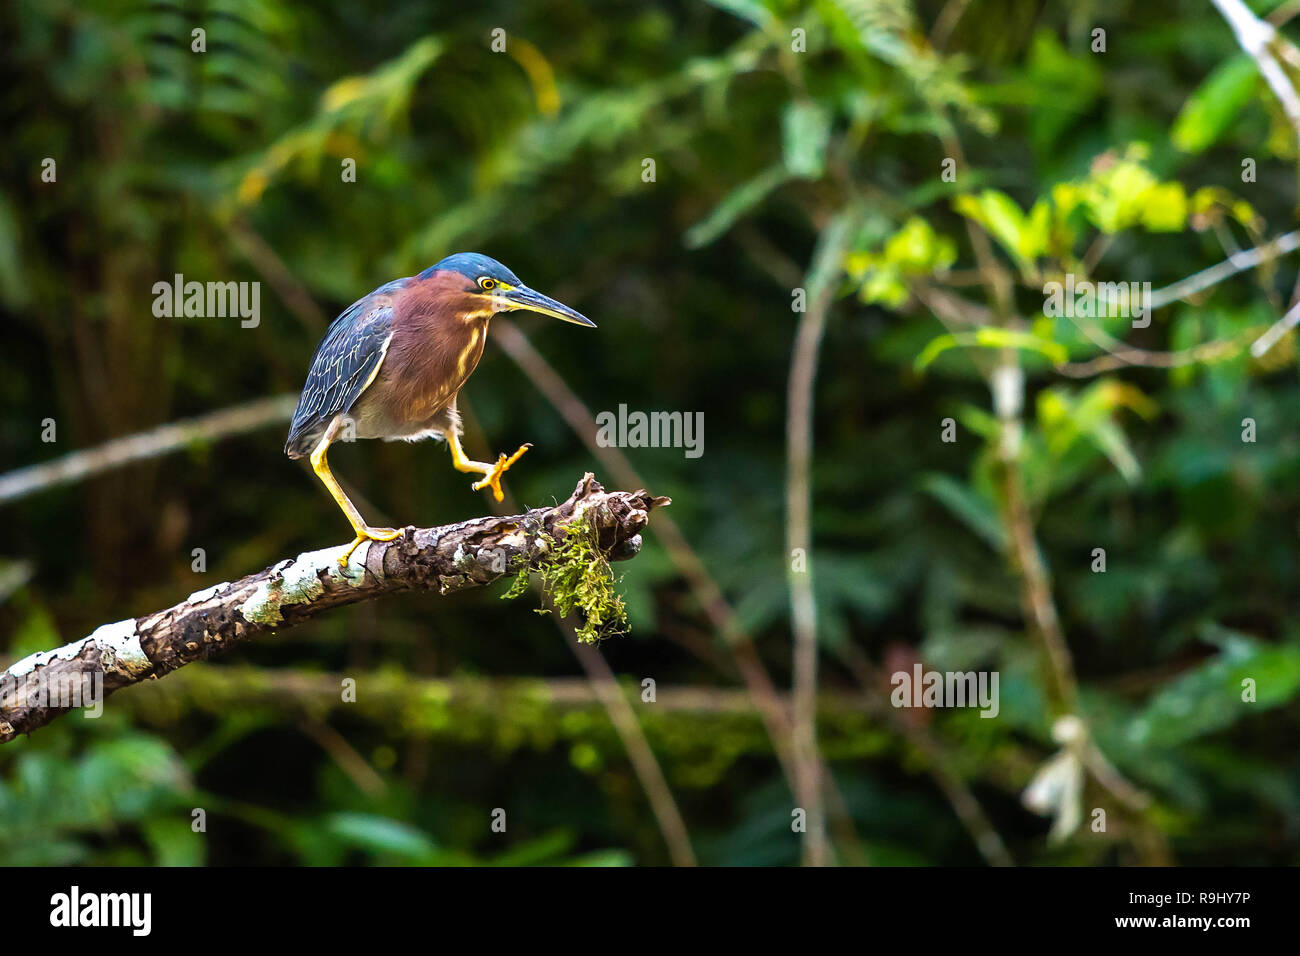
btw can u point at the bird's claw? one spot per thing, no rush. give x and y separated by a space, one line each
368 534
492 477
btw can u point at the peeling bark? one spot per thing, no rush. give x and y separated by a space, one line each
450 558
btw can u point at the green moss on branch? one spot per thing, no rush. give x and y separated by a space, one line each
574 575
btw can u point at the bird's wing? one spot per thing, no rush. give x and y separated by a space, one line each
344 365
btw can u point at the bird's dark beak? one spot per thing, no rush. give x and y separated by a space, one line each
526 298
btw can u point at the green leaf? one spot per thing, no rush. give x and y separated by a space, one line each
1024 237
380 835
739 201
1209 697
1110 439
805 135
1210 110
1059 88
750 10
990 338
979 421
977 513
174 842
1165 208
915 249
537 851
885 287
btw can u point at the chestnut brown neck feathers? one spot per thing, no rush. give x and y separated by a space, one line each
439 331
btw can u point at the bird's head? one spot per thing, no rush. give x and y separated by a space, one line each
490 288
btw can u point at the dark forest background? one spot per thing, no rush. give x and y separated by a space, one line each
796 145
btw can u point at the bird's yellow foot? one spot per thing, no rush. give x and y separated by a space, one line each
492 477
366 533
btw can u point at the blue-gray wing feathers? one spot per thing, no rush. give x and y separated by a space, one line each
343 365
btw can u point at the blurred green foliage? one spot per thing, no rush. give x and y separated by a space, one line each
1124 166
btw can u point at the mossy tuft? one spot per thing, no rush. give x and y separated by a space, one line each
575 575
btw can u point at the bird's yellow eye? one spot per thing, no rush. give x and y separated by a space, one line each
486 284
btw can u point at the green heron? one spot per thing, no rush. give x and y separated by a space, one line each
393 362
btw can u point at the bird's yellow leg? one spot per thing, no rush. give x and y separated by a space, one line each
363 531
491 473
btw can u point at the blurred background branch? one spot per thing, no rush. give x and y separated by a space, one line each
165 439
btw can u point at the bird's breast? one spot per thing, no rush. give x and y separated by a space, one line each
426 367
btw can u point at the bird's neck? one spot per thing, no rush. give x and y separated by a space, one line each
439 344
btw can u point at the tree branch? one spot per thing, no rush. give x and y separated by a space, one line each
1262 41
822 280
173 436
450 558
